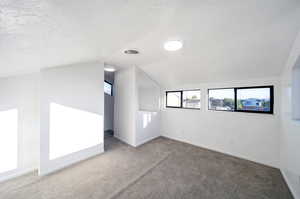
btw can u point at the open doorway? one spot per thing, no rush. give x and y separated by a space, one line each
108 107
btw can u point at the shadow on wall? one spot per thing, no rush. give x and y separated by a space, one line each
72 130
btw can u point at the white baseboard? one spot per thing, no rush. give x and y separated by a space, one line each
15 173
291 185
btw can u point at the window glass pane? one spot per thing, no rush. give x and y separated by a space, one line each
221 99
254 99
174 99
191 99
107 88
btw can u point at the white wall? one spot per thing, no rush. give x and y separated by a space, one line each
126 105
147 126
21 92
290 134
148 92
78 86
246 135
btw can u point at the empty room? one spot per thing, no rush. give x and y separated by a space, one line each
156 99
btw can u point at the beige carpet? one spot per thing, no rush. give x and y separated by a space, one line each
162 168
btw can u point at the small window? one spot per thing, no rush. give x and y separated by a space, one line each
108 88
191 99
255 99
174 99
221 99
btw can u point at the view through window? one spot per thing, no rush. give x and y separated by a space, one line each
254 99
108 88
174 99
221 99
191 99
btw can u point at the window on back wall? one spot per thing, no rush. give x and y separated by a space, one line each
174 99
243 99
255 99
108 88
191 99
221 99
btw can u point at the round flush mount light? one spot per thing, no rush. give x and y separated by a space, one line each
173 45
109 69
131 52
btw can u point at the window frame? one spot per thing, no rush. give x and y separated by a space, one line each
181 99
235 99
179 91
188 107
271 87
111 92
220 89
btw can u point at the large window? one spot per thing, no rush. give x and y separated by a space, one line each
108 88
243 99
189 99
257 99
221 99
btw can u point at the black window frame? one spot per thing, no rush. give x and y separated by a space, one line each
221 89
181 99
271 87
112 87
180 106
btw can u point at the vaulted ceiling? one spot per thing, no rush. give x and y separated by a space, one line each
223 40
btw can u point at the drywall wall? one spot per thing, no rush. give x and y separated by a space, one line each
296 90
133 124
246 135
148 92
79 87
126 105
109 104
21 93
290 129
147 126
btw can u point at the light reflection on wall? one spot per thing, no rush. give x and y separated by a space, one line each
8 140
72 130
147 117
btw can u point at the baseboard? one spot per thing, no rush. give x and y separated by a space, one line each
290 185
16 173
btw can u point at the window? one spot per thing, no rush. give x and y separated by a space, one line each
243 99
174 99
256 99
108 88
221 99
191 99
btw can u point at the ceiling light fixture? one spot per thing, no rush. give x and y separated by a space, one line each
109 69
173 45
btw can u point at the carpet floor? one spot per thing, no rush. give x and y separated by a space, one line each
160 169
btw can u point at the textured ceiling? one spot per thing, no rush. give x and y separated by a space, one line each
223 40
